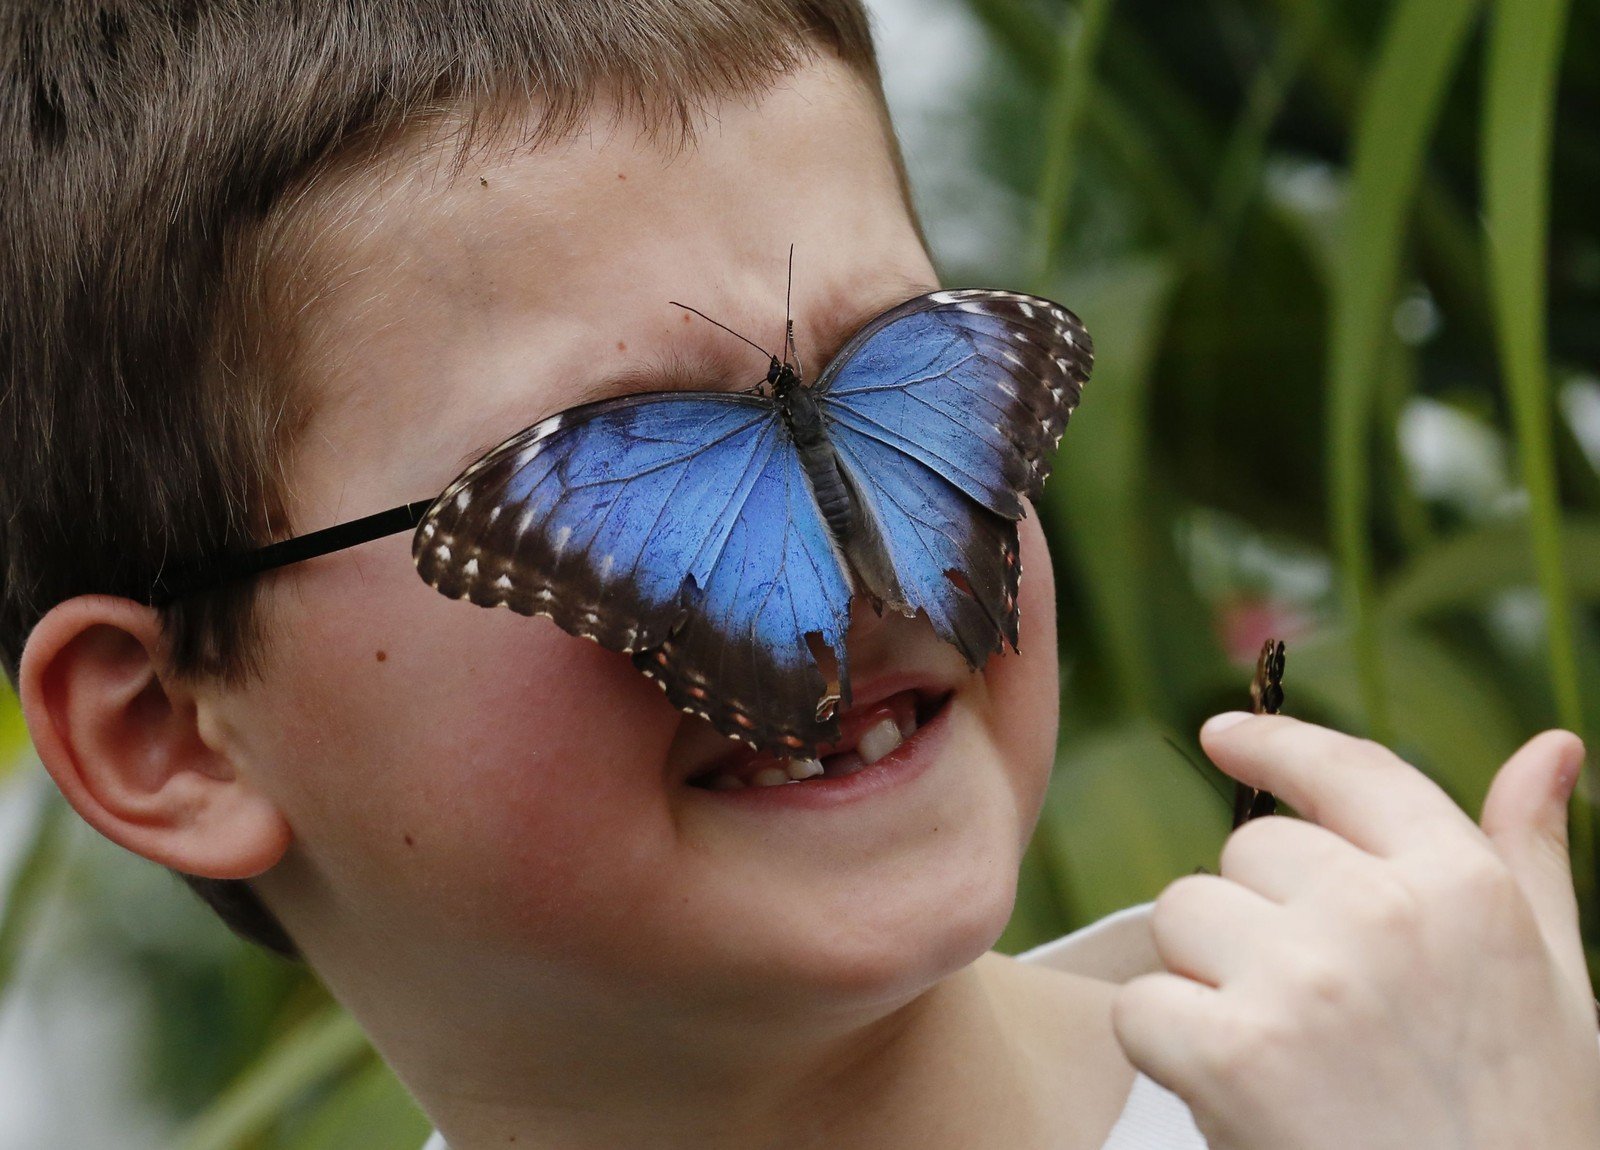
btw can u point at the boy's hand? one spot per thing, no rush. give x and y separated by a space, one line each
1384 974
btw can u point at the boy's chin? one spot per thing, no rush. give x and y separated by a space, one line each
889 967
864 948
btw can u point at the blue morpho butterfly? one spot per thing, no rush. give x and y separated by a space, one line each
717 538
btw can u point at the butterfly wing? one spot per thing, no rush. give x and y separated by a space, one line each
944 412
676 527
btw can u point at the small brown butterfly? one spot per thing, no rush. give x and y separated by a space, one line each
1266 698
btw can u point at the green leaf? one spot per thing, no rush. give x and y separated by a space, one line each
1524 64
1096 500
370 1109
1524 61
1238 178
1126 815
1420 49
318 1049
34 878
14 742
1451 721
1079 46
1468 568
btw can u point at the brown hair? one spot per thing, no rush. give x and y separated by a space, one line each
150 156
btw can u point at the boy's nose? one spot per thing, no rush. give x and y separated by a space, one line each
875 640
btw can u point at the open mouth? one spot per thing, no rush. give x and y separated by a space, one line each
867 734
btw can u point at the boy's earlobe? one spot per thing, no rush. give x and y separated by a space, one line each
122 741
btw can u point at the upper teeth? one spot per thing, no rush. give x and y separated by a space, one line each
875 742
878 740
804 768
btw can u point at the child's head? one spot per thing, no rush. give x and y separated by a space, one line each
269 284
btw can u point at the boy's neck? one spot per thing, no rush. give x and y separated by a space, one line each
995 1054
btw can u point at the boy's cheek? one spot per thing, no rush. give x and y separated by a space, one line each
1023 686
460 740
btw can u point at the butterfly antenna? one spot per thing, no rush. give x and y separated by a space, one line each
723 326
789 347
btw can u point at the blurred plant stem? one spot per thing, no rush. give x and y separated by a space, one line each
316 1050
1524 61
41 861
1078 47
1420 50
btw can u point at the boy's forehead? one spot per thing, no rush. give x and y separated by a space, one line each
461 302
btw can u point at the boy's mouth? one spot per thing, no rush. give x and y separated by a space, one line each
867 734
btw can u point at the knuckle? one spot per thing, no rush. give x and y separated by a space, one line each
1180 890
1386 906
1239 1055
1248 842
1320 981
1481 879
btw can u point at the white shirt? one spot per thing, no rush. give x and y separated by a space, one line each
1115 949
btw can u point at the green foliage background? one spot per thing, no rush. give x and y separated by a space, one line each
1295 228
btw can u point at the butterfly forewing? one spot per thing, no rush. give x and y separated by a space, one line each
976 385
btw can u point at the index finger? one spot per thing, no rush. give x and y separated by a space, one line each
1356 788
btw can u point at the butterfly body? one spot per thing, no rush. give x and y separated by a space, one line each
719 538
806 425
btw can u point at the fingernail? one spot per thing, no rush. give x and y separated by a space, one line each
1216 724
1571 767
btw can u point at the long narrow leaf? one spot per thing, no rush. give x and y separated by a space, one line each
1074 70
1473 565
1239 175
13 734
32 881
317 1049
1097 501
1519 117
1128 816
1451 719
1420 49
1524 59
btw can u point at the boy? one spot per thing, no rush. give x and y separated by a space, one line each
306 294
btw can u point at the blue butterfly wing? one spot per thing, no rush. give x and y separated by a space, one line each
676 527
976 385
944 413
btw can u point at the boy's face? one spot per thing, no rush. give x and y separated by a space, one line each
472 790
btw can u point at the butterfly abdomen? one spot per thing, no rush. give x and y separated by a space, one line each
804 419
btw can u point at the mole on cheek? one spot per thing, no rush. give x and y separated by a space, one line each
410 842
621 346
382 655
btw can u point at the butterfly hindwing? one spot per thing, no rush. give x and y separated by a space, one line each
676 527
944 412
951 557
976 385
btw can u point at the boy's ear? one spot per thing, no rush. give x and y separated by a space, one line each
121 739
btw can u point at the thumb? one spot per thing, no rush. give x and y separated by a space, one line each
1525 817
